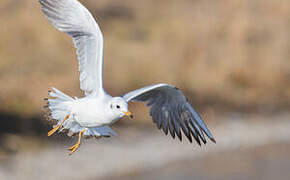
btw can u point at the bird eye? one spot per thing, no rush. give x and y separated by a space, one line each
118 106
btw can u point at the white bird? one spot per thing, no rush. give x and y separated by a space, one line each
93 114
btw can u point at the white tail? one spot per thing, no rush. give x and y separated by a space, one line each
58 106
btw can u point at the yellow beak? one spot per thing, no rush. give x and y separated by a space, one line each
128 114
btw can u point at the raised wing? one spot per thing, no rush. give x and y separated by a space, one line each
73 18
171 111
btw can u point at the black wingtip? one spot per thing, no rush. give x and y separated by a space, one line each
203 140
213 140
189 137
179 136
165 130
195 136
198 142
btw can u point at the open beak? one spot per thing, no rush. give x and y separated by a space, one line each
128 114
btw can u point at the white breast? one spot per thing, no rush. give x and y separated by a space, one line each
92 112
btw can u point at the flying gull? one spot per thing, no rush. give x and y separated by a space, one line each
93 114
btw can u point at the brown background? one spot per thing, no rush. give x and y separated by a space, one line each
231 58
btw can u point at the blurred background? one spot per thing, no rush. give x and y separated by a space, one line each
230 58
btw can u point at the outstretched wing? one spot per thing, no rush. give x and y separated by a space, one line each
171 111
73 18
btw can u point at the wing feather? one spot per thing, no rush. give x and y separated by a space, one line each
171 112
73 18
171 127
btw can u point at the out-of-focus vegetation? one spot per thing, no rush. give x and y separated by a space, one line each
221 53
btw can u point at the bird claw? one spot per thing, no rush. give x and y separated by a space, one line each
73 148
53 130
77 145
58 126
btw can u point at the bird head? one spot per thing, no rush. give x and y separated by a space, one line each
120 107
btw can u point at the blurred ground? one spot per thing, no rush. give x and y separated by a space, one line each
265 162
245 149
231 58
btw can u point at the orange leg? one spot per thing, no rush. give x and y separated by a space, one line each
58 126
77 145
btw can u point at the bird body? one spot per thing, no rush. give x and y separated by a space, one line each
92 114
87 112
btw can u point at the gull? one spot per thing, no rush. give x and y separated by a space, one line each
93 114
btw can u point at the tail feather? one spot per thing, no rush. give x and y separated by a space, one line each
59 104
104 131
59 95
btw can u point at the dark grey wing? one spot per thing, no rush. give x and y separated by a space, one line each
171 111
